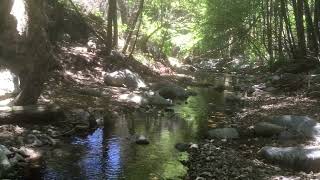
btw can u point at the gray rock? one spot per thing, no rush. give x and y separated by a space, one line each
16 159
157 100
267 129
124 78
259 86
5 150
182 147
303 126
299 158
83 117
289 81
33 141
287 136
223 133
142 140
270 89
275 78
173 92
5 164
194 146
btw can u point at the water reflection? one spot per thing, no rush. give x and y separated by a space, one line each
111 153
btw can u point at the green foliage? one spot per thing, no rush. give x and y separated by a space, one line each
175 22
227 25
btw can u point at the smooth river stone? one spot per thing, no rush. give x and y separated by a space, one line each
298 158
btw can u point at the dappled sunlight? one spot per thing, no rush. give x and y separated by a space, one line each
183 40
79 49
11 131
277 106
6 82
135 98
175 62
31 153
6 102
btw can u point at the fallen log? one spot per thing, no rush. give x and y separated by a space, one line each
31 114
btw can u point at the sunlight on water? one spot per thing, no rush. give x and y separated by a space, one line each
19 12
6 82
102 156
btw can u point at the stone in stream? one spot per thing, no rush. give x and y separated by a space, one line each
172 92
223 133
266 129
298 158
182 147
157 100
142 140
82 117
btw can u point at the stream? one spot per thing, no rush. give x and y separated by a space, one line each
111 153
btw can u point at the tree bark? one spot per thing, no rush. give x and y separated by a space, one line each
312 39
317 19
298 11
115 26
123 11
133 26
112 20
39 49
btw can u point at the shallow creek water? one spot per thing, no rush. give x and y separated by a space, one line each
111 153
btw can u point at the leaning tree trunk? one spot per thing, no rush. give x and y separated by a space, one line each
133 26
38 50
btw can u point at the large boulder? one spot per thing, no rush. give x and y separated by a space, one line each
266 129
289 81
303 126
158 100
173 92
298 158
223 133
124 78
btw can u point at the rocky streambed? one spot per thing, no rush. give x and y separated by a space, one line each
274 135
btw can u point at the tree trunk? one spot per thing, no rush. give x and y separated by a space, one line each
298 11
133 26
291 40
280 33
39 50
317 19
312 39
269 31
123 12
115 25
